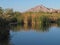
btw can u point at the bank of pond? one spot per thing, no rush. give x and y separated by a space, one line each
6 27
44 20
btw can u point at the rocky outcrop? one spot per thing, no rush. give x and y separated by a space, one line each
41 8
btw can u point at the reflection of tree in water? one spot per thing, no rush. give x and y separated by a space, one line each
4 36
35 27
44 27
16 27
58 24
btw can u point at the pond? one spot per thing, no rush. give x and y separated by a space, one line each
33 35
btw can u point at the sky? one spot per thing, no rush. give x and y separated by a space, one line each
23 5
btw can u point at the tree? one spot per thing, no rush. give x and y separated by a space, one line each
1 10
16 13
8 12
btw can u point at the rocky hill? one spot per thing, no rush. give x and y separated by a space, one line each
41 8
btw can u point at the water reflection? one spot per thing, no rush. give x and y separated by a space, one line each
36 34
35 27
5 32
4 36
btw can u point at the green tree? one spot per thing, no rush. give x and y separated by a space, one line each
8 11
16 13
1 11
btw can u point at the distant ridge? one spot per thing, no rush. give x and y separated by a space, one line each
41 8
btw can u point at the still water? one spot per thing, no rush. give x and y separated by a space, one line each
33 35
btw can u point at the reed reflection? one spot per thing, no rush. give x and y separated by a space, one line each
34 27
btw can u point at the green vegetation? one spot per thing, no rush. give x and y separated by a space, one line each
40 17
39 21
44 19
8 16
11 16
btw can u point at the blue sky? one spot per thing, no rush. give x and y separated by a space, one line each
23 5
